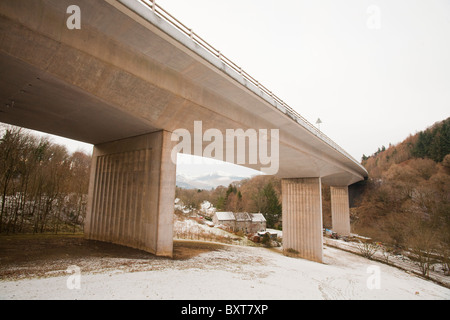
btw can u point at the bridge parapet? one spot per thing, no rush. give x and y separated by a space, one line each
227 65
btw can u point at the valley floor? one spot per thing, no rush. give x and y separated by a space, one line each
201 271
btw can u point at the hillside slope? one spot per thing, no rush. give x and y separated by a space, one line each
432 143
406 202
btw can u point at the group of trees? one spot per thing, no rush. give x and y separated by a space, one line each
433 143
258 194
263 194
43 187
406 201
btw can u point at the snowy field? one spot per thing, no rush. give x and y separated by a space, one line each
237 273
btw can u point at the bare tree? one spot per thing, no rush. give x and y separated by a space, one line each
423 244
43 188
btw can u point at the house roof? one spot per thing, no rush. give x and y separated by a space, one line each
258 217
242 216
225 216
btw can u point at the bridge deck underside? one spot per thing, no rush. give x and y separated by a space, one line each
120 76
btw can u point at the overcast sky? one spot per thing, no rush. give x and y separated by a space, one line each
372 71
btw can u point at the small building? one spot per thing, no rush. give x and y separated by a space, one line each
258 223
224 218
273 235
241 221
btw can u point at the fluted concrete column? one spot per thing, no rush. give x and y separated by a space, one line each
302 218
340 210
131 193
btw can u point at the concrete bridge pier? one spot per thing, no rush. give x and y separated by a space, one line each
131 193
340 210
302 218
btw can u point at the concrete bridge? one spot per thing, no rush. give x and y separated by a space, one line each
124 78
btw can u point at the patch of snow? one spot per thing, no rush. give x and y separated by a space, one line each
234 273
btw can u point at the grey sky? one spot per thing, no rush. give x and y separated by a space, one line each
369 86
373 71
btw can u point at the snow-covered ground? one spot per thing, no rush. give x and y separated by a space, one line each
238 273
399 261
231 273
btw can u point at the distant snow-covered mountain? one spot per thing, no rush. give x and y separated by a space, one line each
207 181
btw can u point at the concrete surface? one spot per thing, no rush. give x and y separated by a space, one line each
132 192
340 210
302 218
121 76
127 73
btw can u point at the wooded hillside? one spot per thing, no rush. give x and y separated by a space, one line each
406 201
433 144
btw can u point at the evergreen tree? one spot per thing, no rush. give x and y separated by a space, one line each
433 143
231 189
272 208
220 205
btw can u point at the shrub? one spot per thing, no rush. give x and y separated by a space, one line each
367 249
266 241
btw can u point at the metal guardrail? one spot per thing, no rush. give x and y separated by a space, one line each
294 115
